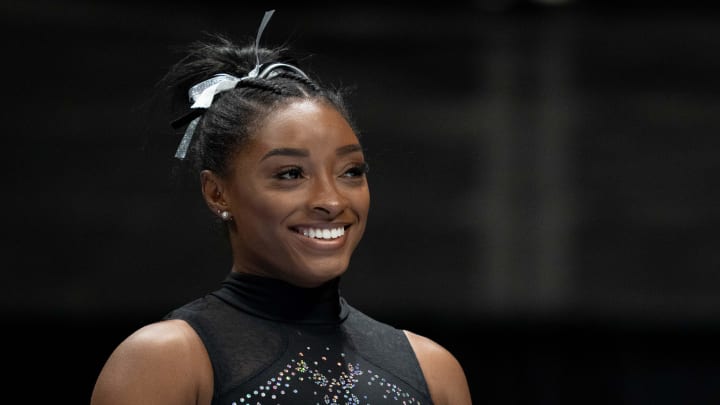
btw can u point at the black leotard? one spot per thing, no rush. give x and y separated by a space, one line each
271 343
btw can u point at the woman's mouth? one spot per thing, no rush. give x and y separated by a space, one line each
321 233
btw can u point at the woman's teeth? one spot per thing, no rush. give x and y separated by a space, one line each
318 233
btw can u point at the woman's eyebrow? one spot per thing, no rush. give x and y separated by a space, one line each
347 149
287 152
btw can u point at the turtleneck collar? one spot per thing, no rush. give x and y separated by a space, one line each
280 301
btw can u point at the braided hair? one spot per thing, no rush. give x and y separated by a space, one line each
234 114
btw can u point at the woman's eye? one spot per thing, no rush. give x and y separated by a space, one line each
357 171
290 174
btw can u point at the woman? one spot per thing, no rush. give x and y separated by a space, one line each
282 167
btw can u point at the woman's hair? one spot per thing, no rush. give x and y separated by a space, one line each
234 114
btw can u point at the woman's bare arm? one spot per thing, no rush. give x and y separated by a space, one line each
444 375
161 363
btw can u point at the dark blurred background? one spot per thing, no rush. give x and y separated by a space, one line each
544 176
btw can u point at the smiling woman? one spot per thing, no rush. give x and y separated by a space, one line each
298 195
281 165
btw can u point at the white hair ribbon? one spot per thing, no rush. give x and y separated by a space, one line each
202 94
263 23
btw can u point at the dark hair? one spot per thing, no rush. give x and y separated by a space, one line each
231 119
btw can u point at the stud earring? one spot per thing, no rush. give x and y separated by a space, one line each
225 215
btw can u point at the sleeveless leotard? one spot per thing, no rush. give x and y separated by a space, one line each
271 343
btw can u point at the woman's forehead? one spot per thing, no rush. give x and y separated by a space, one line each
305 123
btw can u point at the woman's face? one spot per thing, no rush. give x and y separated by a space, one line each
299 196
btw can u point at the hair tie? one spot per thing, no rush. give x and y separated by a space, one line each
202 94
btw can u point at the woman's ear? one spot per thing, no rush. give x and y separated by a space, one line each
213 192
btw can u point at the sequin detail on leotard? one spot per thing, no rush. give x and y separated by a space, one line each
329 382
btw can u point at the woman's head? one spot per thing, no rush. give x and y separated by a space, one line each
279 156
234 114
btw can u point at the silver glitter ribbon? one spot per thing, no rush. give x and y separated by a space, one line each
202 94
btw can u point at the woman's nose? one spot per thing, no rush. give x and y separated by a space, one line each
326 197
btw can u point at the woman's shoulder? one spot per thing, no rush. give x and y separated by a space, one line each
162 362
172 335
443 372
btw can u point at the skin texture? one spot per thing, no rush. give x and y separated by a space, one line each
303 169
